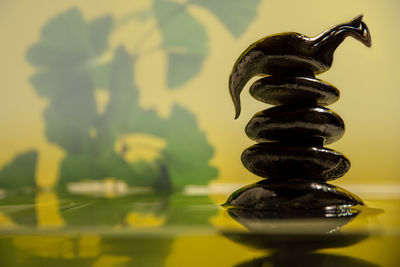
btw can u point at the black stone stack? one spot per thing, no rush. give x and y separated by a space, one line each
294 210
290 150
291 135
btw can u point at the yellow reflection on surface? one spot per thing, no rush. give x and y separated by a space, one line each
89 246
143 236
136 147
47 210
135 219
6 221
111 260
216 251
223 221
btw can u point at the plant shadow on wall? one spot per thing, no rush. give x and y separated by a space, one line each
101 143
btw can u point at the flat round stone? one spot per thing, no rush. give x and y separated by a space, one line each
294 214
279 160
310 196
278 90
291 123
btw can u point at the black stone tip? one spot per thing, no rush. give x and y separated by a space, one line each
358 19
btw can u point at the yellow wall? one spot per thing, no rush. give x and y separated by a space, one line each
367 79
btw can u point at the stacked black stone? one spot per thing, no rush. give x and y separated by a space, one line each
291 135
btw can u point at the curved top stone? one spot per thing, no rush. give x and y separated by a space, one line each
292 54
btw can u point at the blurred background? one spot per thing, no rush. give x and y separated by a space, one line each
113 99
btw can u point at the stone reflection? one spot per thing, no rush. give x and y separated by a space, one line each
294 236
40 228
281 259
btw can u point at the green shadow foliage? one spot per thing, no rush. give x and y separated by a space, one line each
20 172
193 210
20 207
184 37
83 211
236 15
65 52
67 58
72 117
70 71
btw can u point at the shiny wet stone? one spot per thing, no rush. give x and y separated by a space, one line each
277 90
291 123
282 161
291 195
296 215
292 54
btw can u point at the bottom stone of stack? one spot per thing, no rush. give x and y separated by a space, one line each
294 195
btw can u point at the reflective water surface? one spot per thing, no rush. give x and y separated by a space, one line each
140 228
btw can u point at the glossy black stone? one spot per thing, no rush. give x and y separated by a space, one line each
295 216
338 215
296 124
305 196
276 90
282 161
292 54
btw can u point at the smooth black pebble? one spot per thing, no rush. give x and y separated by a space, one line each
278 90
296 123
291 195
281 161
